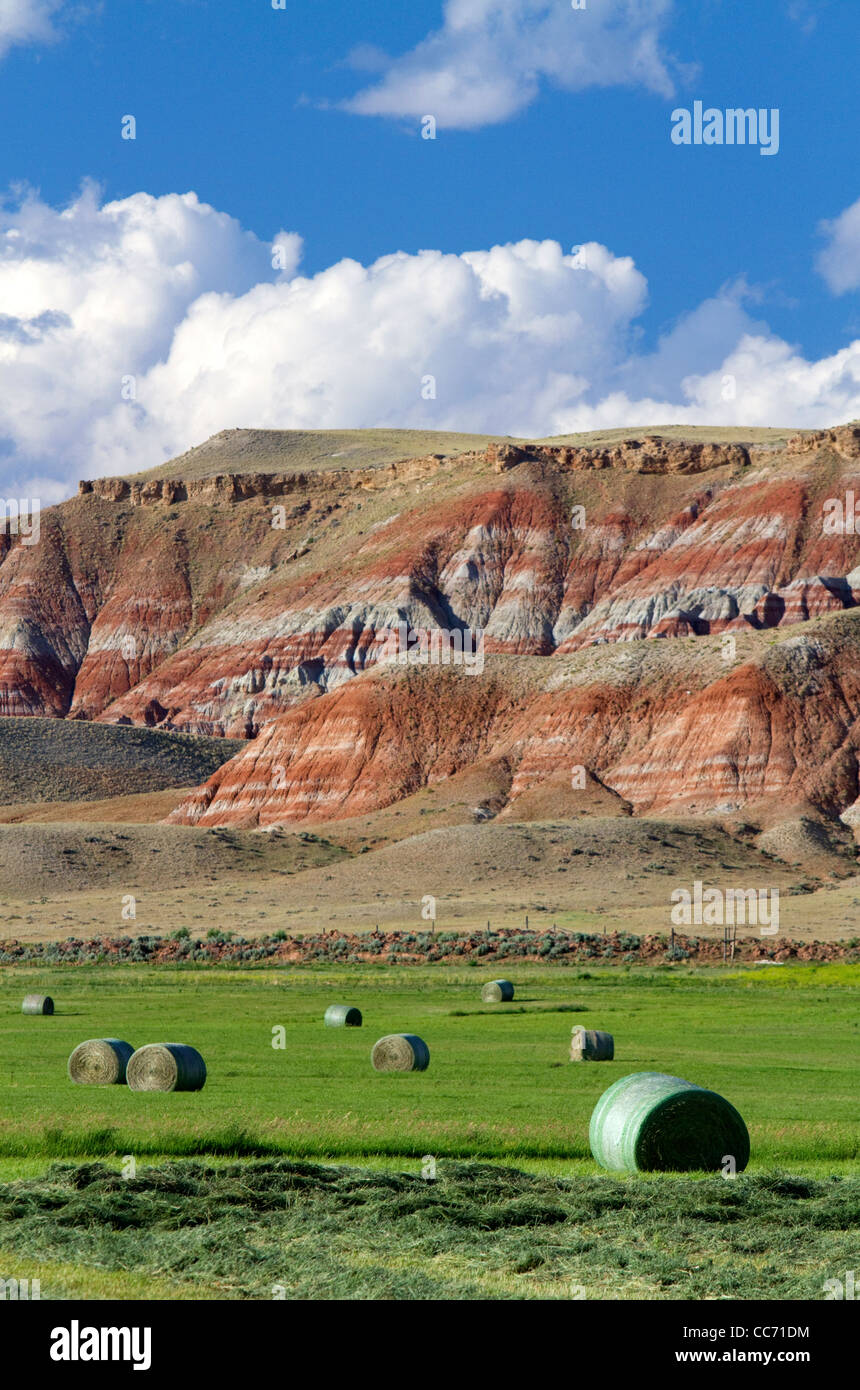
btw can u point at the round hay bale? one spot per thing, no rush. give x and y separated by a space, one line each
497 992
400 1052
590 1045
342 1016
166 1067
37 1004
100 1062
650 1122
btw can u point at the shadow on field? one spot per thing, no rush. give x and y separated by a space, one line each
538 1007
109 1142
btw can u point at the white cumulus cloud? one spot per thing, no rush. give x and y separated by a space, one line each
839 261
26 21
509 334
91 295
491 57
175 298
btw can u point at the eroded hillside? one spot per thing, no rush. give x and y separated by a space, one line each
258 602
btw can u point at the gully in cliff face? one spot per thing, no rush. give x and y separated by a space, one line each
407 646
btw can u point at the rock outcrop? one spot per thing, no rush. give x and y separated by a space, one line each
649 455
256 604
660 731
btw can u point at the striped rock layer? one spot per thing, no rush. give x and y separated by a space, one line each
633 608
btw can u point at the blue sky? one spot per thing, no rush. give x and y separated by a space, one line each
244 105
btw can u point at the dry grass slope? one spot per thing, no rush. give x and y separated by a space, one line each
311 451
49 760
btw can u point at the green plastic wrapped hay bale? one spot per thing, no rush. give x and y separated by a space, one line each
166 1067
591 1045
37 1004
100 1062
400 1052
342 1016
497 992
650 1122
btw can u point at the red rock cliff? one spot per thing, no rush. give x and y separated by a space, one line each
249 601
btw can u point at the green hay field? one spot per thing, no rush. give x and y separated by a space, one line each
298 1172
783 1050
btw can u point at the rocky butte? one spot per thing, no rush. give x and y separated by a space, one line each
669 614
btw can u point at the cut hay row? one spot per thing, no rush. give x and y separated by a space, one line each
100 1062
